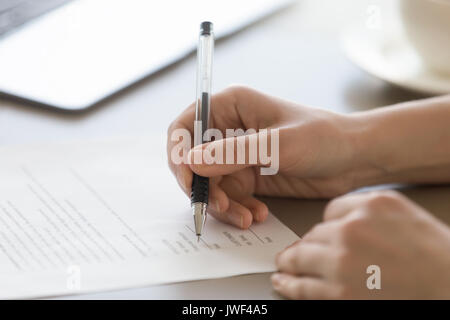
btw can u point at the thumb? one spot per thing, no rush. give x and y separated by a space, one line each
229 155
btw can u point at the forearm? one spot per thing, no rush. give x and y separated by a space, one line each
405 143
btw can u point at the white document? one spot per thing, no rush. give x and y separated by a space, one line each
106 215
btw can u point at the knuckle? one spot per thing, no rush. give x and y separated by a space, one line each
238 91
316 229
288 258
379 200
237 88
351 228
329 209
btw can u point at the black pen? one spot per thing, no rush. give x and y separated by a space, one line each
200 185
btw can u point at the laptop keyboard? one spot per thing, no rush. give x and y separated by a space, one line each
14 13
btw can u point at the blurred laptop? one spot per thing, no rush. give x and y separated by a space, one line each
71 54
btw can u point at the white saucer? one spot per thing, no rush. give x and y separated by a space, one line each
390 57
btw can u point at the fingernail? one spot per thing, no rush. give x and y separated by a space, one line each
217 205
237 219
259 216
214 203
276 280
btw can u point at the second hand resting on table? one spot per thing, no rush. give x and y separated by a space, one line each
325 155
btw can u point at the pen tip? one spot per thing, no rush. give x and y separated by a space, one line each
198 238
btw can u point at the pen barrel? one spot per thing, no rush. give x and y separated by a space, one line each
204 74
200 189
200 185
205 52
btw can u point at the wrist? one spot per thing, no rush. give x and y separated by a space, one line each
403 143
367 162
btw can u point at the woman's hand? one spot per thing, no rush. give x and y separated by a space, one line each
385 229
317 154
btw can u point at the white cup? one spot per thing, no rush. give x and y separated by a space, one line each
427 26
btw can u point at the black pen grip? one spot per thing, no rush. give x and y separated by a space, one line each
200 189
